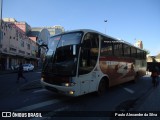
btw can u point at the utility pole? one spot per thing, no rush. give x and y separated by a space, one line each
1 21
105 26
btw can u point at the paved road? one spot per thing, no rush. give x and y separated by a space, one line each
31 97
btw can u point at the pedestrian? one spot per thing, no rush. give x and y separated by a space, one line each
154 76
20 73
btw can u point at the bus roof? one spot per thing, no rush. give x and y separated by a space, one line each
94 31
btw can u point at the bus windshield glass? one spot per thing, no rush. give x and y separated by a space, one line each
64 60
52 44
70 39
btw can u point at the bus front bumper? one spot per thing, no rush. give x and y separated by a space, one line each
69 91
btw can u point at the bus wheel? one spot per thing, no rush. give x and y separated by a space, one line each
102 87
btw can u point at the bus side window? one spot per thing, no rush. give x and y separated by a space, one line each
89 53
106 47
133 52
118 49
127 50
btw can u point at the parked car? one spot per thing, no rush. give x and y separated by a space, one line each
28 67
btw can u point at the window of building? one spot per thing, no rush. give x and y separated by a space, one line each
28 46
13 49
22 43
22 52
28 53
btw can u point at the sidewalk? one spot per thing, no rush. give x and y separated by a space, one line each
152 103
148 104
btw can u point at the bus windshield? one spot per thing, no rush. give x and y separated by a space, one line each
67 47
52 44
64 60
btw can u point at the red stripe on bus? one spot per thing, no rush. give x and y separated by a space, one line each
119 59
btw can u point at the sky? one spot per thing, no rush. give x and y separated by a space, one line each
129 20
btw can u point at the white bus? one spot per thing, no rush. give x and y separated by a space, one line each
84 61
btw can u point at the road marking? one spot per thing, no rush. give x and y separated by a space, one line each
128 90
38 105
41 90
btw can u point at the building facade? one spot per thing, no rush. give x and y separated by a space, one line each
35 31
18 43
21 25
58 29
15 46
139 44
154 58
157 58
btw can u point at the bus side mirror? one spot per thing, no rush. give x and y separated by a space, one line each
44 46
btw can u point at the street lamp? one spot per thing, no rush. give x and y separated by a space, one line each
105 27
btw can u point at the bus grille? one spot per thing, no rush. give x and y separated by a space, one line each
56 80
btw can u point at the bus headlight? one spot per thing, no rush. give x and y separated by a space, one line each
68 84
71 92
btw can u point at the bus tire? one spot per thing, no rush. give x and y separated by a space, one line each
102 87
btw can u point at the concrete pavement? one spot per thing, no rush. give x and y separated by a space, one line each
152 103
149 103
147 107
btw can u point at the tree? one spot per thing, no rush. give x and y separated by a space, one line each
147 51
